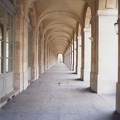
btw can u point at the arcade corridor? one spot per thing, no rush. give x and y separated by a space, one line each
58 94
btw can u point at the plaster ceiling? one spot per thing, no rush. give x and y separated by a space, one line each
59 19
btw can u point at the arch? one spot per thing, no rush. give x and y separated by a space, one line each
56 31
56 13
59 25
88 17
58 37
61 41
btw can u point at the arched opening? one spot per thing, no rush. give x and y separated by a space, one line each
87 45
60 58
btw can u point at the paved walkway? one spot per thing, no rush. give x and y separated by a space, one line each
59 95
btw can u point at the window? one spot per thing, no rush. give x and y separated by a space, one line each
9 43
6 41
1 38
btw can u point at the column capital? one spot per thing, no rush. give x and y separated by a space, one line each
107 12
87 29
79 38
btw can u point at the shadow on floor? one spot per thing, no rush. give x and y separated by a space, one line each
115 116
88 90
78 79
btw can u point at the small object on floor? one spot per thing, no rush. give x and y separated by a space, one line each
59 83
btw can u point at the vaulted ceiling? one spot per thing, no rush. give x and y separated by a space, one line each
59 19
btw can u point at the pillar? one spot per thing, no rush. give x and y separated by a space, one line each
74 56
78 52
45 55
19 50
104 56
87 54
42 55
118 83
82 55
35 67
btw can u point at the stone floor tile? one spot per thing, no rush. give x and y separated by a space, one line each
69 117
59 94
47 117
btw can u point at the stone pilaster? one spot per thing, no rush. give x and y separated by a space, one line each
78 54
45 55
42 56
74 50
87 54
35 67
118 83
94 53
72 58
82 56
18 50
104 77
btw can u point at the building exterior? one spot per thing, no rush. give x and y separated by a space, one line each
34 32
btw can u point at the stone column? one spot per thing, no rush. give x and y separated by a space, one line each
94 53
74 56
69 60
118 83
69 57
82 55
25 53
78 55
45 56
50 58
35 67
87 54
104 77
19 50
42 55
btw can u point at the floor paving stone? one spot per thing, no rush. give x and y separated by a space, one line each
59 94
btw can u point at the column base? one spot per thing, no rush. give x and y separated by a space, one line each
100 85
18 81
25 80
78 70
35 72
72 67
42 69
82 73
118 97
93 82
75 68
86 75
